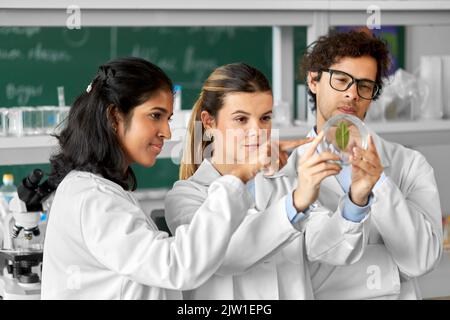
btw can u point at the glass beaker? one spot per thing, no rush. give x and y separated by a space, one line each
3 122
50 117
15 122
32 121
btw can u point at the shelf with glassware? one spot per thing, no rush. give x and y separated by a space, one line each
37 149
317 16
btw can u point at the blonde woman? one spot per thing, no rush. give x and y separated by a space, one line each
266 258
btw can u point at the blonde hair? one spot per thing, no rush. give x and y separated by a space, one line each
234 77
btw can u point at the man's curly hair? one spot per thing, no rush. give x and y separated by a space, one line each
328 50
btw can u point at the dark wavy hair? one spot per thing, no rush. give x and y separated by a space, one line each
328 50
88 142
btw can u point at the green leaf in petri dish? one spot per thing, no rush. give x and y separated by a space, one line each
342 135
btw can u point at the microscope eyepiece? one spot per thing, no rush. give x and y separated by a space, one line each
32 193
33 179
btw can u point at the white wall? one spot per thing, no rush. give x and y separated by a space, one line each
431 40
425 40
437 156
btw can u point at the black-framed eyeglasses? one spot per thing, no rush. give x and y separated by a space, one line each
342 81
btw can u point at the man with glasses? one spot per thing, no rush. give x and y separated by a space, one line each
391 185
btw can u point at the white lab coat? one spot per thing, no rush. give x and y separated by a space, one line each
100 245
406 232
266 258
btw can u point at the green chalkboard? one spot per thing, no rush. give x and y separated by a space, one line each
34 61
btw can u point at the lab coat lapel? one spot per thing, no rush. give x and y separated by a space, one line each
382 153
263 191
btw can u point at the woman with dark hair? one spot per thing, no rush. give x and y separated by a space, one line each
99 244
266 257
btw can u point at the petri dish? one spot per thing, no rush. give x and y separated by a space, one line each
341 134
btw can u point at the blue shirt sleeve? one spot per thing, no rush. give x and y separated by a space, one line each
354 212
291 212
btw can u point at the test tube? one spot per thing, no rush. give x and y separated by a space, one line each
61 97
3 122
15 121
63 113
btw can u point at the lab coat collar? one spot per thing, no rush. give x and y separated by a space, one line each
206 173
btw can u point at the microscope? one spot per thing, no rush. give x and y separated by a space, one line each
22 249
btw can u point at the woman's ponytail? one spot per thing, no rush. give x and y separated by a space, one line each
193 150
